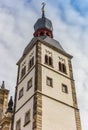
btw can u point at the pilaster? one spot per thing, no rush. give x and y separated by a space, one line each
37 108
76 110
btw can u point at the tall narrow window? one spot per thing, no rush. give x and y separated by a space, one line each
60 66
18 125
64 68
49 81
29 84
21 93
46 59
50 61
64 88
41 34
27 117
47 34
31 62
23 71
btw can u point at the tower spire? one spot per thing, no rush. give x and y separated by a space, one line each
3 85
10 105
43 26
43 11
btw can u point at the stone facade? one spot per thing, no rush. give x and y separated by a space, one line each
37 108
6 122
6 110
3 100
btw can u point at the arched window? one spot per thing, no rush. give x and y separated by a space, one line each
47 34
46 59
60 66
31 62
41 34
21 93
23 71
64 68
50 61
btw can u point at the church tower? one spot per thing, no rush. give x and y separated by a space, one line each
4 93
45 96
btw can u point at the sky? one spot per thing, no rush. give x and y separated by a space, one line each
70 28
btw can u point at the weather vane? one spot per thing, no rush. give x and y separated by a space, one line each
43 5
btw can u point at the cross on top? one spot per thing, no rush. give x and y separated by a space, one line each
43 5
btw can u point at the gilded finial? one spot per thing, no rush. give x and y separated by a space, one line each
43 11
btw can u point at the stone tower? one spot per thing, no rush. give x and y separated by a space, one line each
3 100
45 96
6 122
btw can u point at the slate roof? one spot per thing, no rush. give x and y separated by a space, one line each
31 43
53 42
47 40
43 23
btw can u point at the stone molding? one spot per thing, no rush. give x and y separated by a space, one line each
77 116
37 107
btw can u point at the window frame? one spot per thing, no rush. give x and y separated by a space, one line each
48 79
21 93
23 71
30 81
31 63
62 67
48 60
18 121
41 33
64 88
27 115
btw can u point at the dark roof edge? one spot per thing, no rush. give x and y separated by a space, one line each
23 56
45 43
4 90
57 49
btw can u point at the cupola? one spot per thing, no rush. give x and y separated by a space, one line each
43 26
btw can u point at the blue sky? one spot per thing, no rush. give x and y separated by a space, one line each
70 24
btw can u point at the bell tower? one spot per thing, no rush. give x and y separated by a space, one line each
4 93
45 96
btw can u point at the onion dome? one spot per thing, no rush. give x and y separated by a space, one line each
43 26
